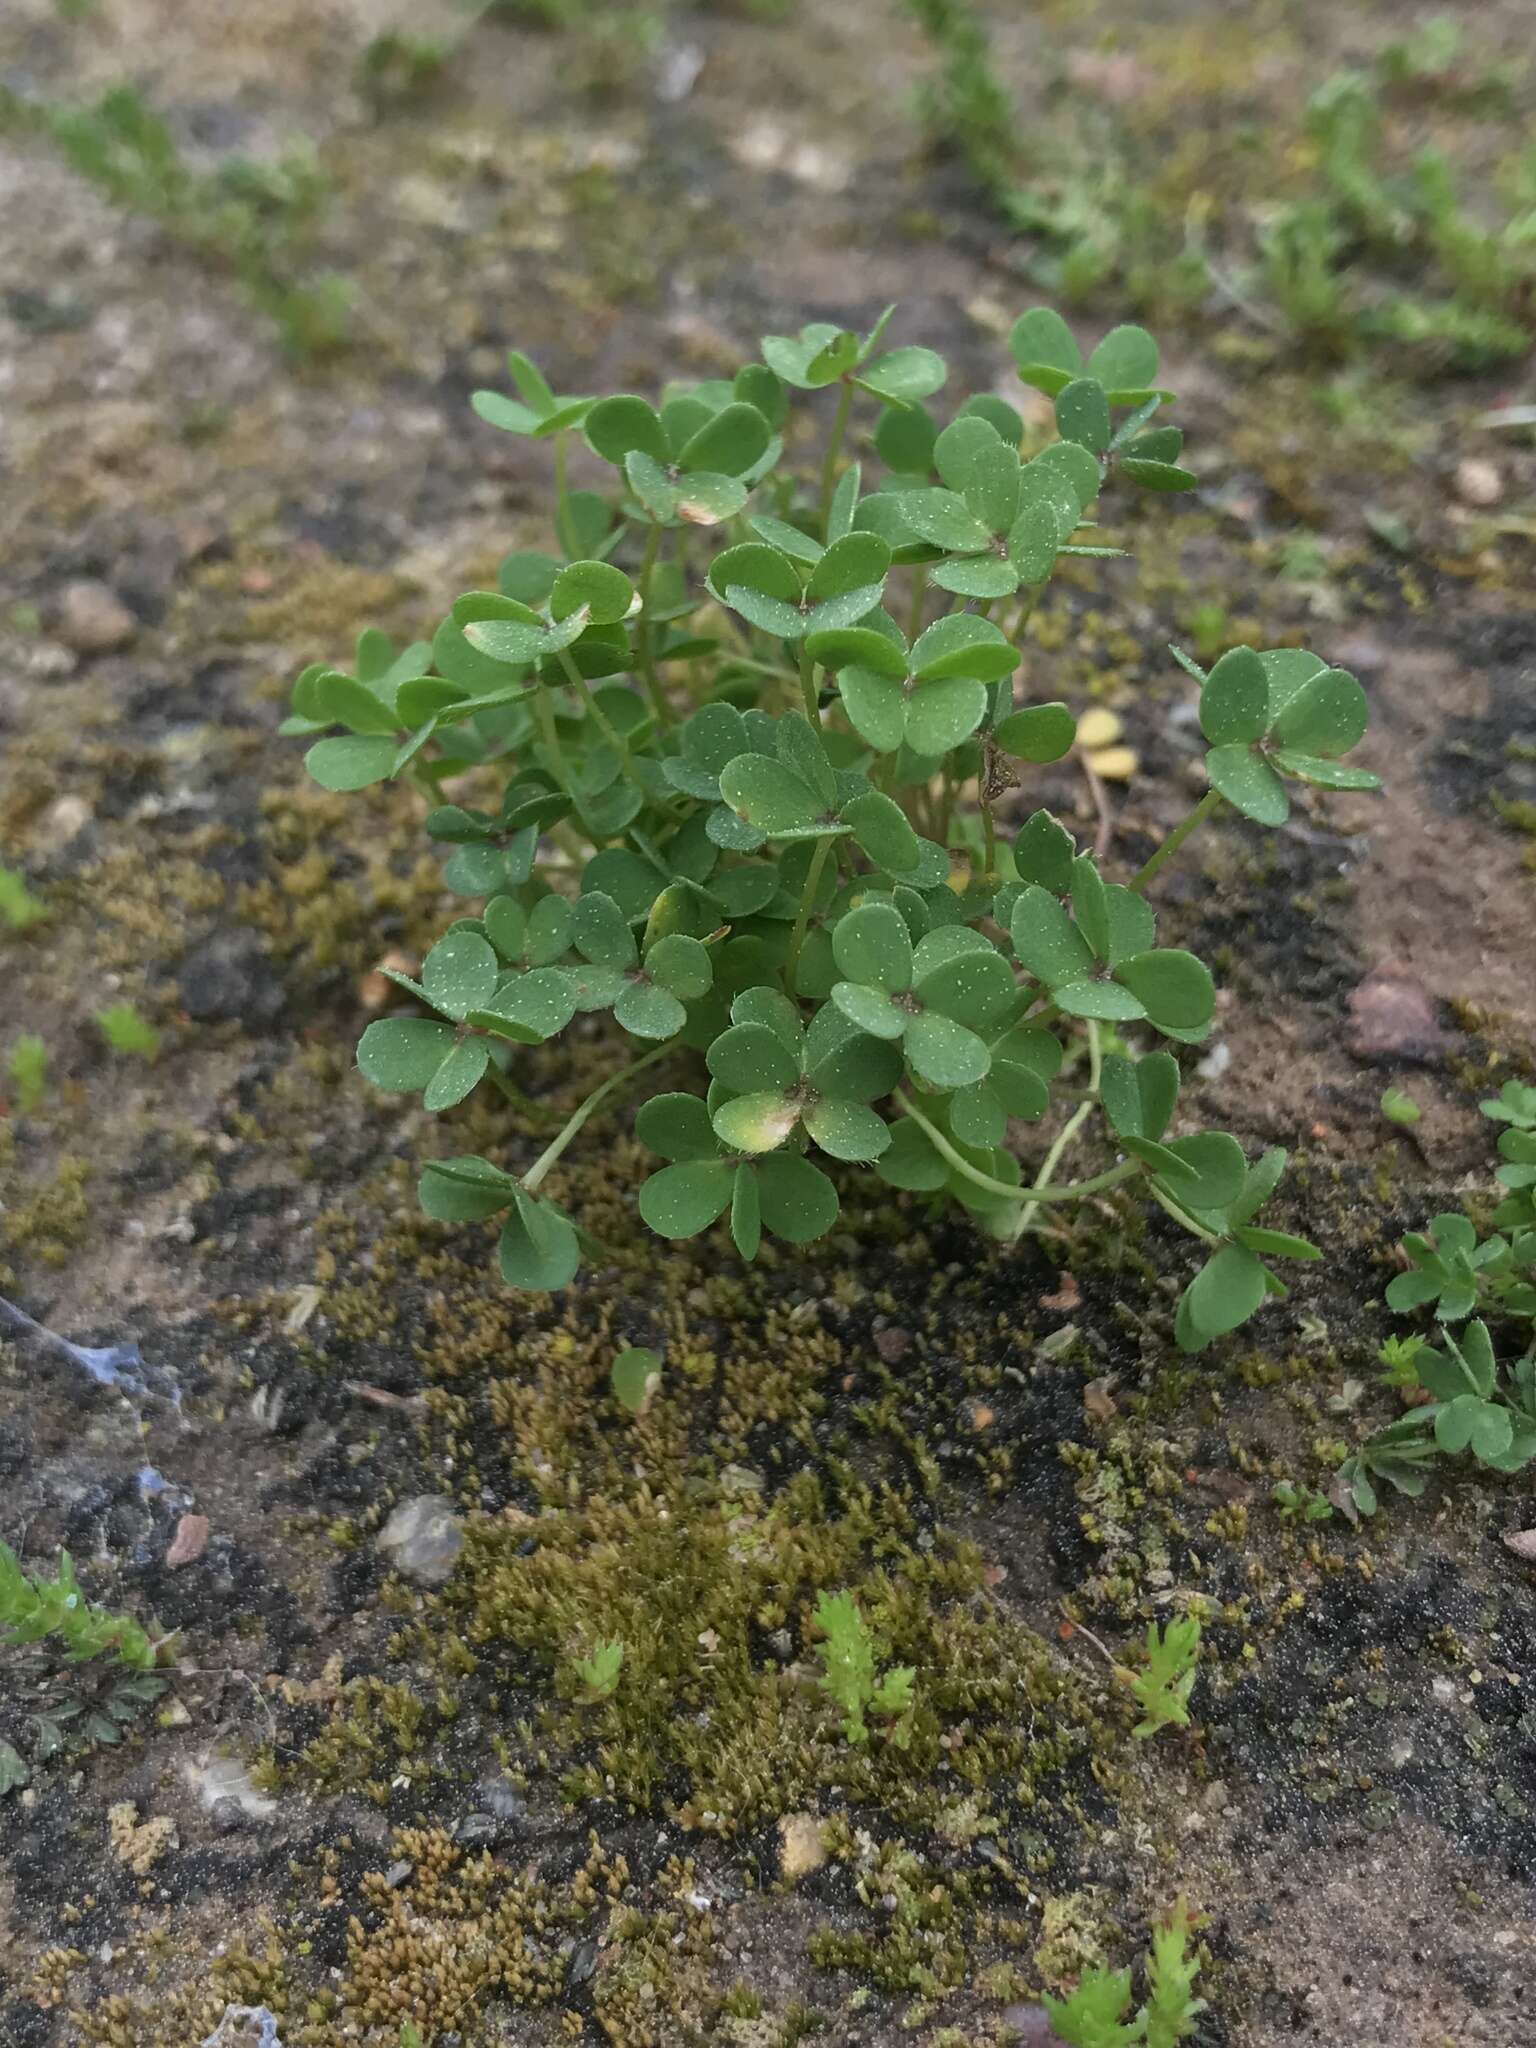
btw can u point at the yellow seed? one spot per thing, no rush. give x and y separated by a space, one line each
1114 764
1098 728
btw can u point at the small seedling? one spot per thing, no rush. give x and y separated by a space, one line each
78 1674
1399 1107
397 66
1472 1392
1163 1685
27 1069
127 1032
19 908
255 219
598 1674
849 1653
739 806
1300 1503
1319 270
636 1376
1098 2014
1398 1358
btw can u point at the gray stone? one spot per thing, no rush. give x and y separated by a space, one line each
93 619
423 1538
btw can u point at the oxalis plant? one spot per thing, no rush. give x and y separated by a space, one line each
1476 1392
728 766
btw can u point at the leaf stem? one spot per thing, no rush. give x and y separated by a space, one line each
808 686
1068 1132
659 704
588 697
1176 838
574 1122
1068 1191
1180 1215
515 1095
549 732
919 593
803 914
1027 605
562 498
834 449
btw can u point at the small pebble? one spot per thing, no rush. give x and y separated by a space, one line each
423 1538
93 619
1478 481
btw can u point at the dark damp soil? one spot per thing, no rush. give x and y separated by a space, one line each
384 1802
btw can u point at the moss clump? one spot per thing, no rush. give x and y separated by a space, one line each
51 1224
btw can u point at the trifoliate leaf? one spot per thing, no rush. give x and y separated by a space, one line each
682 1200
940 715
882 831
771 797
799 1203
1125 362
1043 853
681 965
1226 1291
858 647
678 1127
1082 414
1047 941
1158 476
1326 715
646 1010
730 443
943 518
600 930
402 1054
1173 986
1249 784
538 1247
943 1053
904 375
464 1190
606 592
352 763
756 1123
847 1130
1045 350
750 1058
460 973
871 946
458 1076
1234 699
614 426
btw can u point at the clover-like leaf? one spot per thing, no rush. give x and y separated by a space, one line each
464 1190
1045 350
1125 363
538 1249
1234 699
1224 1293
1039 733
1082 414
